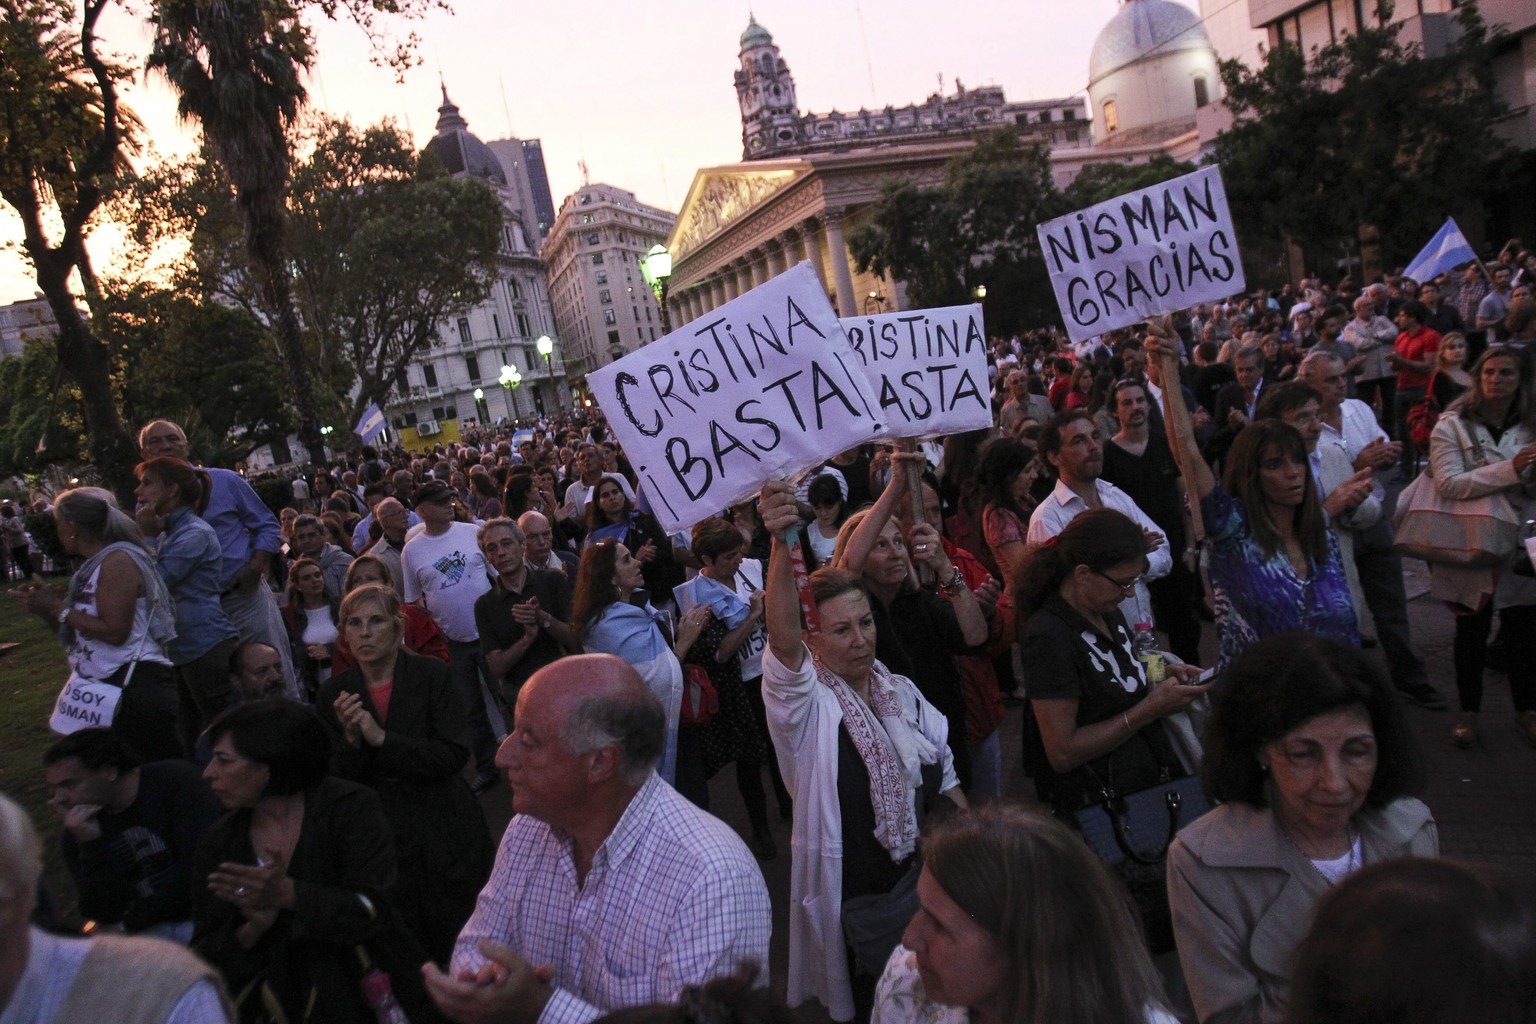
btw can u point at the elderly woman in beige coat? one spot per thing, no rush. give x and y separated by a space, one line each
1308 752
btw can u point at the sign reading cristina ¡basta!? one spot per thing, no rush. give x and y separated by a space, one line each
928 369
1151 251
764 386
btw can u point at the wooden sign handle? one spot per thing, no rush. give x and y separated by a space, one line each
1175 411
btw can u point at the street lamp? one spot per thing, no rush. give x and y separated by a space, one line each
656 268
481 412
981 291
510 378
546 346
875 299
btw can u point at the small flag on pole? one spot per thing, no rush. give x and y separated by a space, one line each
1449 248
371 424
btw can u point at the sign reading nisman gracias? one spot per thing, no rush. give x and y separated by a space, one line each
764 386
1152 251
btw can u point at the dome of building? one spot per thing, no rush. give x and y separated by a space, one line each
459 150
755 35
1142 29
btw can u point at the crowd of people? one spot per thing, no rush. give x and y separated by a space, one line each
304 713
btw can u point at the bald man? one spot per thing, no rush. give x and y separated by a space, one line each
541 552
49 979
610 889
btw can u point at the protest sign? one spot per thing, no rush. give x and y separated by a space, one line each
928 369
763 386
1151 251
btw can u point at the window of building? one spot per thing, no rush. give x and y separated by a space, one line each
1202 92
464 334
610 317
496 324
528 359
613 337
586 200
1111 117
605 296
472 367
439 413
409 420
586 218
592 238
449 413
597 259
515 291
1069 115
522 325
602 277
429 375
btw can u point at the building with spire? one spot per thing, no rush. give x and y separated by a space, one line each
806 179
477 347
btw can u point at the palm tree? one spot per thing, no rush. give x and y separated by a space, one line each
236 67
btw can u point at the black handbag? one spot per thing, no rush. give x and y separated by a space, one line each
1131 833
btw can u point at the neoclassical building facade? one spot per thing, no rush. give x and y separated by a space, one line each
809 178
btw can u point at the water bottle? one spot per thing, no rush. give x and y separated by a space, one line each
1145 647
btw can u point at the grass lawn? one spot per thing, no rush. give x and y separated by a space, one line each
31 674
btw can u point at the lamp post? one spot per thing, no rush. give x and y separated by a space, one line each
510 378
546 346
481 413
877 300
656 268
981 292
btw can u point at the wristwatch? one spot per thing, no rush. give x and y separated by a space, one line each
64 613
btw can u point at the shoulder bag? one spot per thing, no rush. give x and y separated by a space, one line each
1471 533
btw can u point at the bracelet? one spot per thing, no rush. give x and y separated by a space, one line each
1126 716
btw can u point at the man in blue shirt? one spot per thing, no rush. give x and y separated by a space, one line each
249 536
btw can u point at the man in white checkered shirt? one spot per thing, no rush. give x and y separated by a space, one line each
610 889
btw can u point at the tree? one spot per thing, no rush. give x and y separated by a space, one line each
63 135
236 67
384 245
1096 183
977 227
1365 138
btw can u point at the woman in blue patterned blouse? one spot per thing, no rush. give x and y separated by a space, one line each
1273 564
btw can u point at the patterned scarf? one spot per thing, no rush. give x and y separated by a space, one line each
894 755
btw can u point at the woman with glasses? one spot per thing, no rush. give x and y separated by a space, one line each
1273 564
1099 715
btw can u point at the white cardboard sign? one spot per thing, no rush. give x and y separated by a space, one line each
1152 251
928 369
764 386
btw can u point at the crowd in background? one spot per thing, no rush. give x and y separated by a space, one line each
313 702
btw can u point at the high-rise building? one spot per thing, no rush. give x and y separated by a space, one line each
602 306
475 348
538 179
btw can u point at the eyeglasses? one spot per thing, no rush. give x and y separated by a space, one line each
1126 587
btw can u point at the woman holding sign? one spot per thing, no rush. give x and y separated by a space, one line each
865 756
1273 564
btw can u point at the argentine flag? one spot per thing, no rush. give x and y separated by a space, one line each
371 424
1449 248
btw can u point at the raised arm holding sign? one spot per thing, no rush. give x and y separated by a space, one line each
763 387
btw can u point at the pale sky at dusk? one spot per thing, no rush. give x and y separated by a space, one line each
643 92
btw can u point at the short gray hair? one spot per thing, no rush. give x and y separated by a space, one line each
500 523
21 854
634 723
1316 356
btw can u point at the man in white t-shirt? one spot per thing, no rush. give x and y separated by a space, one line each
445 573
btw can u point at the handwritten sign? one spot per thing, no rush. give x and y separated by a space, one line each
928 369
1151 251
763 386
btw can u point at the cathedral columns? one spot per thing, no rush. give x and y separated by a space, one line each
837 254
810 237
774 254
755 268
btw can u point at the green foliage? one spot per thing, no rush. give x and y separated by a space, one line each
29 413
45 534
1096 183
274 491
1366 132
942 241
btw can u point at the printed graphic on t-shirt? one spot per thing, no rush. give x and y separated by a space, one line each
451 568
1107 664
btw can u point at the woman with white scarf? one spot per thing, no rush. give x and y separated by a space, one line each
116 619
864 755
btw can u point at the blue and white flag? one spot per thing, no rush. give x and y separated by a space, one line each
1448 249
371 424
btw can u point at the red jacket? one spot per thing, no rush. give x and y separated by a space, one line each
422 636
